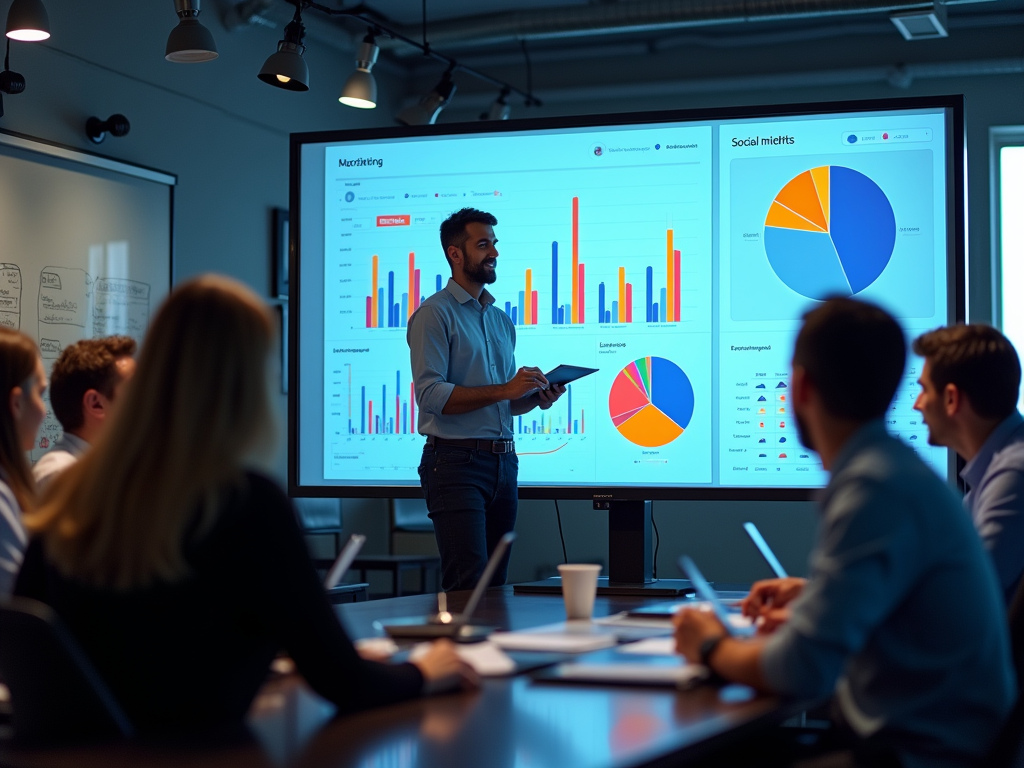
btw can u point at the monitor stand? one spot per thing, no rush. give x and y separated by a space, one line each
630 560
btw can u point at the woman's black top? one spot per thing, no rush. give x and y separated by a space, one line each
192 654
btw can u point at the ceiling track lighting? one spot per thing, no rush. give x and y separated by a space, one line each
115 125
425 111
500 109
28 21
286 68
360 90
189 42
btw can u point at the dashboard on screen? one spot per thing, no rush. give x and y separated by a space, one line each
674 252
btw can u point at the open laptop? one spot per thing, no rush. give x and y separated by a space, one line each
344 560
707 594
765 550
454 626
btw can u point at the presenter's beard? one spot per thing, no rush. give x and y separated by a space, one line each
482 273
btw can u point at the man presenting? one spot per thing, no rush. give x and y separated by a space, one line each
84 384
462 349
969 388
901 618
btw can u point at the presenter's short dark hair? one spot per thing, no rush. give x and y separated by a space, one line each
979 360
87 364
453 229
854 354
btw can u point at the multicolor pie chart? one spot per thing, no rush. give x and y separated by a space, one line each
829 231
651 402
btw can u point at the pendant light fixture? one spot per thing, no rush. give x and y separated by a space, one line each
28 21
360 90
426 110
286 68
189 42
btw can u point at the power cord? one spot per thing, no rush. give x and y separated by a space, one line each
657 540
558 514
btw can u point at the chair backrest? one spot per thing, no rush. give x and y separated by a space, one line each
56 694
1008 749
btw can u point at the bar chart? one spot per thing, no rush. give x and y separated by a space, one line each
560 419
387 309
377 410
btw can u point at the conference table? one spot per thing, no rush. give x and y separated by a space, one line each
509 722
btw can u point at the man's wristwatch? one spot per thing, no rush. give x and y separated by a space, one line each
708 647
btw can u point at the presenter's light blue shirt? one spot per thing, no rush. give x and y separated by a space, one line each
456 340
995 499
901 618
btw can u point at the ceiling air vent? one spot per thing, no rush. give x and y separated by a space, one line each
921 25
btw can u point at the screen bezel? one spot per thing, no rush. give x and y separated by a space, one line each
956 258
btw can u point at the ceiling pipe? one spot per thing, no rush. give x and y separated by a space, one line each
899 76
640 16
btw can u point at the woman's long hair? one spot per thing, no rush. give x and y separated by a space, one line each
196 408
18 356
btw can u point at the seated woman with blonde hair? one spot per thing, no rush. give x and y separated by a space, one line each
182 572
22 382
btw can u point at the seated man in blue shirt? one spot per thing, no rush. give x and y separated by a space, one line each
969 388
901 618
462 350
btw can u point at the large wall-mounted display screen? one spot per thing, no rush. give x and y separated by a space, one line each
674 252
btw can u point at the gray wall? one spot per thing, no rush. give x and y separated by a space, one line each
226 136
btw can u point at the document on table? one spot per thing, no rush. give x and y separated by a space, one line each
552 642
653 646
486 658
676 675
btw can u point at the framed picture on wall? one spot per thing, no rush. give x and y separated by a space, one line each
281 253
282 310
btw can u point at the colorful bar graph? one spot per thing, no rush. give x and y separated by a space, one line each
574 300
551 424
385 307
375 416
669 269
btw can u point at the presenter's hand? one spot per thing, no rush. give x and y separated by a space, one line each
526 381
547 397
692 627
768 597
443 669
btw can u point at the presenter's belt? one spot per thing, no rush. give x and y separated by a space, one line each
491 446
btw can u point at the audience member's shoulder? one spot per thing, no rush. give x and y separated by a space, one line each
1010 458
893 467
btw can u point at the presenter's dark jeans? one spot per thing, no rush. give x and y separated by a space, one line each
472 498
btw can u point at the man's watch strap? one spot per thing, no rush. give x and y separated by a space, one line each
708 647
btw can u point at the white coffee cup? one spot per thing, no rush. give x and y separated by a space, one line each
579 586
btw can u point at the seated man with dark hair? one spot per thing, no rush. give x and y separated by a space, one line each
84 383
969 389
901 618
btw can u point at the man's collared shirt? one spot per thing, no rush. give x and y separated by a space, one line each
65 452
456 340
901 616
995 500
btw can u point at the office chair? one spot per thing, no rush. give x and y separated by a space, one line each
56 694
1008 749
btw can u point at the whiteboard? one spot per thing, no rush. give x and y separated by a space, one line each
85 248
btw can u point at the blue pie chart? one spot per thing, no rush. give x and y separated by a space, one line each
830 231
